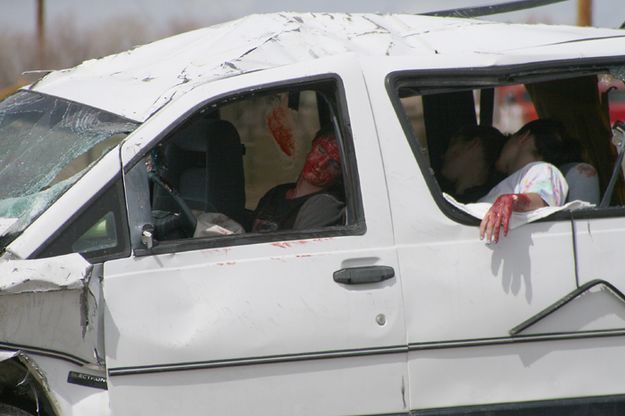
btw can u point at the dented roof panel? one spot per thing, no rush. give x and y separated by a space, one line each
138 82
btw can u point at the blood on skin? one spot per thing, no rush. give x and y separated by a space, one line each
322 166
277 122
499 214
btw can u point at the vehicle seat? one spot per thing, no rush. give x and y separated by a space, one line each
583 182
205 164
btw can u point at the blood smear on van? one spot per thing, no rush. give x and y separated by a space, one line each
277 121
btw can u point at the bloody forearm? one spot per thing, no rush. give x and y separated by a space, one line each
499 214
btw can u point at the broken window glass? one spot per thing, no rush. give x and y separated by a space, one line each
46 145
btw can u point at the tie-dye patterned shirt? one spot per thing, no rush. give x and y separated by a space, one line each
541 178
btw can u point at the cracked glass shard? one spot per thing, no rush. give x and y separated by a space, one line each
46 145
618 72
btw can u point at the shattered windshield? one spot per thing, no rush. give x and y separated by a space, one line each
47 144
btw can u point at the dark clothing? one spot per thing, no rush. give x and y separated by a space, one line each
276 212
471 194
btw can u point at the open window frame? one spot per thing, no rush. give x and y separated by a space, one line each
438 82
330 86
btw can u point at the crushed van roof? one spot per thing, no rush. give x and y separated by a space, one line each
137 83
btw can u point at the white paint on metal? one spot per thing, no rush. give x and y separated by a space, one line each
42 275
6 224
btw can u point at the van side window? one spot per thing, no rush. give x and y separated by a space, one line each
587 105
99 232
255 164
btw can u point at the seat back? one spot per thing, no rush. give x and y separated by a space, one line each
205 164
583 182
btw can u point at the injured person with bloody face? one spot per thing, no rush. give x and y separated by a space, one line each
312 201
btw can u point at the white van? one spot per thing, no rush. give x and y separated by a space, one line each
123 292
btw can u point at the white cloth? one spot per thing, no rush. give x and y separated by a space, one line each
537 177
479 209
211 224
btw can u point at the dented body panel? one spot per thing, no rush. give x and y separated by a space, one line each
268 323
54 306
62 273
51 329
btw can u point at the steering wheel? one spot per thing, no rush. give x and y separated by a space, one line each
187 221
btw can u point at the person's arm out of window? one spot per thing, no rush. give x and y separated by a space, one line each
499 214
543 185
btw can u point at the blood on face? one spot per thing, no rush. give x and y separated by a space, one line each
323 163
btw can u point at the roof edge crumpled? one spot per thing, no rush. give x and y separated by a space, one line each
137 83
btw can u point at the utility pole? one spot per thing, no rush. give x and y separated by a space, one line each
584 12
41 37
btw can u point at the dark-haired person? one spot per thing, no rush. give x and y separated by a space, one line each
309 202
467 172
528 158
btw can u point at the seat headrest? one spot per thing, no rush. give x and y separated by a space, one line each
583 182
195 136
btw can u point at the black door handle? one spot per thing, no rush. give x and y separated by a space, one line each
364 274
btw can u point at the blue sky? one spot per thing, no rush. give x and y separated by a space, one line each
19 15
